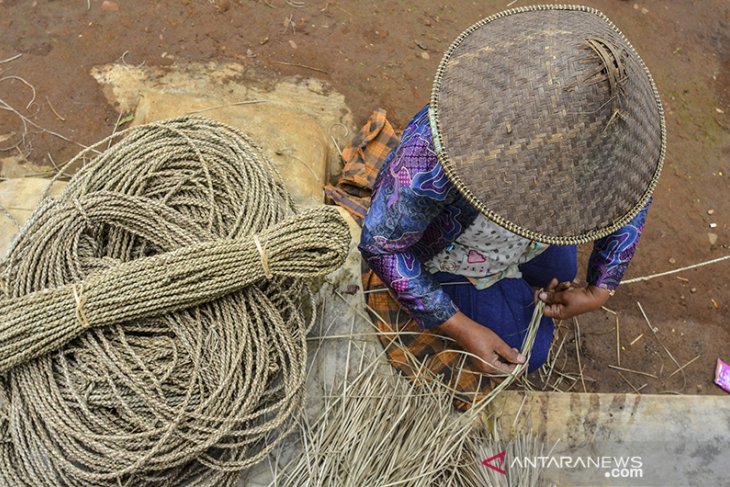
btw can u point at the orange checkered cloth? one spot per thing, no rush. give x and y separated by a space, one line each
363 157
407 346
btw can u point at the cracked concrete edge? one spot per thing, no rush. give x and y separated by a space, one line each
226 83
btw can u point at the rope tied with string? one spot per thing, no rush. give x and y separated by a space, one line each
153 320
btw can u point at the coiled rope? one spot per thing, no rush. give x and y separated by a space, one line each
153 318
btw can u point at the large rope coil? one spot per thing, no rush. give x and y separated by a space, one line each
153 318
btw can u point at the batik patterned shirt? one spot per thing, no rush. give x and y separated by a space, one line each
416 213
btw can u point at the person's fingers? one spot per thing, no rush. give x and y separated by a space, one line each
564 286
550 297
500 367
508 353
554 311
549 289
553 287
553 284
505 368
546 311
489 365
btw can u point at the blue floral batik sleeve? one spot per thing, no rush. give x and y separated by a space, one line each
410 193
611 255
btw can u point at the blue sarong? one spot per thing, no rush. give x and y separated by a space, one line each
506 307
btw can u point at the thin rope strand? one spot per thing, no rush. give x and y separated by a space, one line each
675 271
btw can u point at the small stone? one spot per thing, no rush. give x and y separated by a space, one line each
109 6
292 44
223 5
693 290
710 211
713 225
250 53
424 55
672 260
712 237
719 110
644 10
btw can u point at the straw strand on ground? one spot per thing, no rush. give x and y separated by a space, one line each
674 271
659 341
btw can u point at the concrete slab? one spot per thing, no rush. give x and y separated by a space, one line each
299 123
18 199
295 143
652 440
17 166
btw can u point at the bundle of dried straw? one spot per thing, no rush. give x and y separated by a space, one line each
384 430
379 428
153 318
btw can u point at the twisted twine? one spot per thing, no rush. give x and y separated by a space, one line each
153 318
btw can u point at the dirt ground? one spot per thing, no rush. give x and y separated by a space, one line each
384 54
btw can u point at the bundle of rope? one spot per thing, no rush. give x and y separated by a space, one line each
153 318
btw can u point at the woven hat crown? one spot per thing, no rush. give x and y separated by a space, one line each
548 121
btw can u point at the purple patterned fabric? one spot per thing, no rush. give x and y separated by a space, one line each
611 255
416 212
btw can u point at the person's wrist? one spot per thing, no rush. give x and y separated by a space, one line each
455 326
600 295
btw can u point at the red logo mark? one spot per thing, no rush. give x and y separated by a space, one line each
500 457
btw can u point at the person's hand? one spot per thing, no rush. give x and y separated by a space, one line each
563 300
496 356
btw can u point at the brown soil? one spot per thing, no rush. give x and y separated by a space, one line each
384 54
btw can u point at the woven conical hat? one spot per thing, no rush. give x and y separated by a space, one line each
547 120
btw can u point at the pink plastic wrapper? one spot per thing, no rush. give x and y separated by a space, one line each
722 375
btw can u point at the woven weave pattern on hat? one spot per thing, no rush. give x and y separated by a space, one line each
547 120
